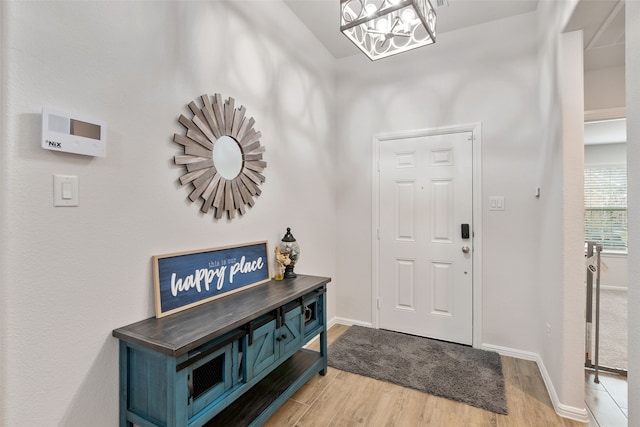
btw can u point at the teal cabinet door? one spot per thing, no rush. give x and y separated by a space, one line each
209 378
290 332
262 351
313 316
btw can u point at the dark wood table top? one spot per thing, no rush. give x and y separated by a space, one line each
178 333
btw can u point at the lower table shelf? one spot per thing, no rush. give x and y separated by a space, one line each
259 403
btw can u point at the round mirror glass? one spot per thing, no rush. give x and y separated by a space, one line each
227 157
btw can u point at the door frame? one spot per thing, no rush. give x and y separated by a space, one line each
476 130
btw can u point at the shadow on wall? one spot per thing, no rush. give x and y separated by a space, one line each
283 82
97 406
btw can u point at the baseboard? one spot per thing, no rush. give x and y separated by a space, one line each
571 412
566 411
511 352
348 322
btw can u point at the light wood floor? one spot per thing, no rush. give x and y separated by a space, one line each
344 399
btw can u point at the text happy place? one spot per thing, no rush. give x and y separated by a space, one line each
203 278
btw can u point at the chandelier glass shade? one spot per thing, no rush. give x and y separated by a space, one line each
382 28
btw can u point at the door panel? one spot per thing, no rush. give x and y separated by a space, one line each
425 279
405 193
442 284
405 283
441 211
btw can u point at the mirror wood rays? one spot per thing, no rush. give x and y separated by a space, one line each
222 156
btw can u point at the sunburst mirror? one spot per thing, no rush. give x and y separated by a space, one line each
222 156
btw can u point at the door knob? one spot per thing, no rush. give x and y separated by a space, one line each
465 249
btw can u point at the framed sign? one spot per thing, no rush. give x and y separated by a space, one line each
186 279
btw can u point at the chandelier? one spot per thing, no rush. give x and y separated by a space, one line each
382 28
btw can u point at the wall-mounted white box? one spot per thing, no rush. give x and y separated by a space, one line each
71 133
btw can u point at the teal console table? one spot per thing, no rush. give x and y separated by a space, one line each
230 362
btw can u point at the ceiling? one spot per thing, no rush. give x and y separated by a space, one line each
322 17
601 20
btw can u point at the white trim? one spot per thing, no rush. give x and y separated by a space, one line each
375 232
605 114
566 411
348 322
476 130
511 352
477 238
338 321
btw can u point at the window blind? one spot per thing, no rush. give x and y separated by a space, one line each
605 203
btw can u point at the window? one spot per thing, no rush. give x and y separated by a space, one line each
605 203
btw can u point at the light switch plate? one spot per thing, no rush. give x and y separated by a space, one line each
65 190
496 203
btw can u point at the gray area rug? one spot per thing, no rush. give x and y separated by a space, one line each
440 368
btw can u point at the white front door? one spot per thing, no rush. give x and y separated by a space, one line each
425 262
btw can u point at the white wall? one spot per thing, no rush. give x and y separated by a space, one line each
471 75
570 389
615 275
632 34
549 208
605 154
560 210
71 275
604 88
